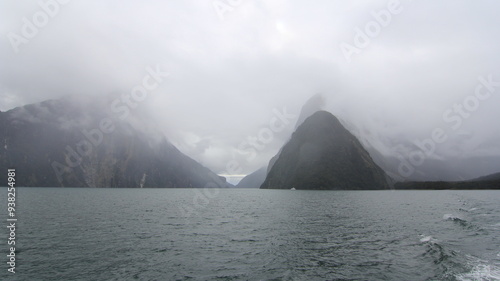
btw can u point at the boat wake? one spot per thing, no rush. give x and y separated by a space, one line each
455 265
481 271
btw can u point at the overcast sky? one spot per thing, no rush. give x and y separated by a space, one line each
234 64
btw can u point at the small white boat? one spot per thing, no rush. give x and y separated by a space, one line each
293 188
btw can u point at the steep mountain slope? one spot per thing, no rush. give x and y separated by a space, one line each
253 180
322 154
75 144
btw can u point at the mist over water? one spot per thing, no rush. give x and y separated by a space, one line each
244 234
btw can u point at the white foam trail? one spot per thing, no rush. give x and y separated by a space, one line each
481 271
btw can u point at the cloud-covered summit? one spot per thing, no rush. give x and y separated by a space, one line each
228 75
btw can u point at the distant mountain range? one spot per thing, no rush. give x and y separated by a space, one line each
74 143
69 143
492 177
311 160
487 182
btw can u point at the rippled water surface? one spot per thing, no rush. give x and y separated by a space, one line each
242 234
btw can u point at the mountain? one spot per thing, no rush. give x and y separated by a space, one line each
451 169
72 143
492 177
322 154
253 180
486 182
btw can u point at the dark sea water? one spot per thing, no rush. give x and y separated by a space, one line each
188 234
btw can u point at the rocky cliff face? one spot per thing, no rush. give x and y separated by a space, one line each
67 143
322 154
